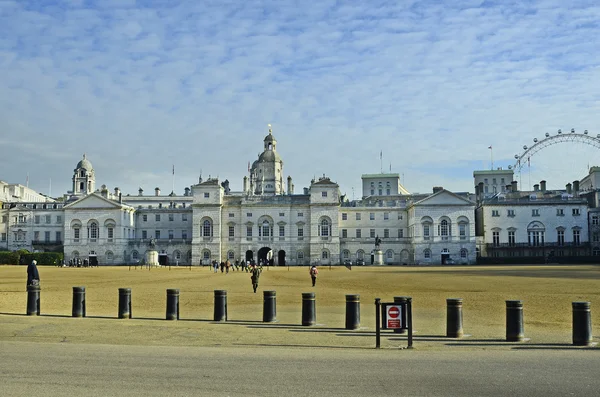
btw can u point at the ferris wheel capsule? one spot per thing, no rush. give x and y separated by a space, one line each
524 147
572 130
585 132
535 140
516 156
547 134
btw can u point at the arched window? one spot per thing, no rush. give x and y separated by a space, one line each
463 253
93 231
325 228
177 255
75 254
427 254
207 228
300 255
360 254
206 255
135 256
324 254
230 255
265 229
346 254
109 256
444 229
389 254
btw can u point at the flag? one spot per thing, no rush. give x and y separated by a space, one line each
381 154
248 166
173 169
490 147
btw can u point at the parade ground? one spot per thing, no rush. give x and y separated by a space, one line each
547 293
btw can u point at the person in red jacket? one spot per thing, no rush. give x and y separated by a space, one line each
313 274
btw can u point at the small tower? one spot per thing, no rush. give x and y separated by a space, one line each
84 180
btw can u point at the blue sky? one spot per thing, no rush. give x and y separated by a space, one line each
141 86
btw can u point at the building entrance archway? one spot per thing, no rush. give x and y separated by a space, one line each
281 258
265 256
249 256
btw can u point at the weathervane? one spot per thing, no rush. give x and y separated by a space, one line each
270 129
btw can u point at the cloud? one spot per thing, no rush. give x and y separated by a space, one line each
141 86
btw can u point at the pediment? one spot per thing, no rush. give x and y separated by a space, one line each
93 200
444 197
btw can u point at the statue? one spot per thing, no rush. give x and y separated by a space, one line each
152 243
377 242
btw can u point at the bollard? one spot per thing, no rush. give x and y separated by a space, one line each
582 324
514 321
401 300
269 307
124 302
172 304
309 314
454 328
78 302
33 300
352 311
220 312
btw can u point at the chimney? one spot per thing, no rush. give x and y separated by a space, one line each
575 187
157 191
117 191
508 188
305 190
290 186
481 188
513 186
536 187
568 186
437 189
245 184
543 186
186 191
140 192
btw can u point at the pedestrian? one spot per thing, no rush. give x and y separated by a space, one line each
215 266
313 274
255 271
227 266
222 265
33 276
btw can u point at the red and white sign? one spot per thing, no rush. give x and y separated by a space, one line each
393 316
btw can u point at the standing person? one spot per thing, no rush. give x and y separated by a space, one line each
215 266
255 271
227 266
33 277
313 274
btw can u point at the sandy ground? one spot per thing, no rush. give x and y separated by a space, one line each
547 293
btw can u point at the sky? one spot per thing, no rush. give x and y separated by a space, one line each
418 88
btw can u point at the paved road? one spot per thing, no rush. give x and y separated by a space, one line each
65 369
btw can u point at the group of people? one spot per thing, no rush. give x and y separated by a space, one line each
238 265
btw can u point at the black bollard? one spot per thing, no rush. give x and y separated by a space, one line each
124 302
269 307
78 302
454 328
352 311
33 300
172 304
401 300
514 321
309 313
582 324
220 313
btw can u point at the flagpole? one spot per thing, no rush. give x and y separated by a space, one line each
491 157
381 162
173 177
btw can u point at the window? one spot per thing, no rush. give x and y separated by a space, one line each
248 231
372 233
171 217
371 216
380 192
4 218
386 216
206 228
560 212
496 239
386 233
325 228
171 235
595 220
344 216
36 236
535 212
110 234
177 255
511 213
595 236
372 192
493 181
300 231
49 219
3 236
463 253
576 212
109 256
58 236
324 255
495 213
231 215
281 231
184 217
58 219
576 238
502 181
344 233
511 238
358 233
157 234
426 231
300 255
535 238
400 233
36 219
282 214
462 231
485 181
444 229
184 234
157 217
265 229
206 195
300 214
323 194
144 234
427 254
249 215
358 216
231 231
145 218
93 231
388 192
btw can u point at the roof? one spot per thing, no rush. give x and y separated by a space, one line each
368 176
85 164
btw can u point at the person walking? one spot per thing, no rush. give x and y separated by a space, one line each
33 276
313 274
215 266
255 274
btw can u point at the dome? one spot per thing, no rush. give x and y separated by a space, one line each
268 156
85 164
269 138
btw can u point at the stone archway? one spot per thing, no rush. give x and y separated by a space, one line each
281 258
249 256
264 257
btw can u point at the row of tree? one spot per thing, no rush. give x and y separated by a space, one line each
24 257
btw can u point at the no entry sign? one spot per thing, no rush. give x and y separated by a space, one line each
394 316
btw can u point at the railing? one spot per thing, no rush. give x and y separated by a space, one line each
540 245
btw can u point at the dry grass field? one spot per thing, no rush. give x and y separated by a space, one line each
546 291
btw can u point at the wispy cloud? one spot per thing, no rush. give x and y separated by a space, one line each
139 86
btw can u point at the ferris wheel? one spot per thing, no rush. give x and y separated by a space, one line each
549 140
